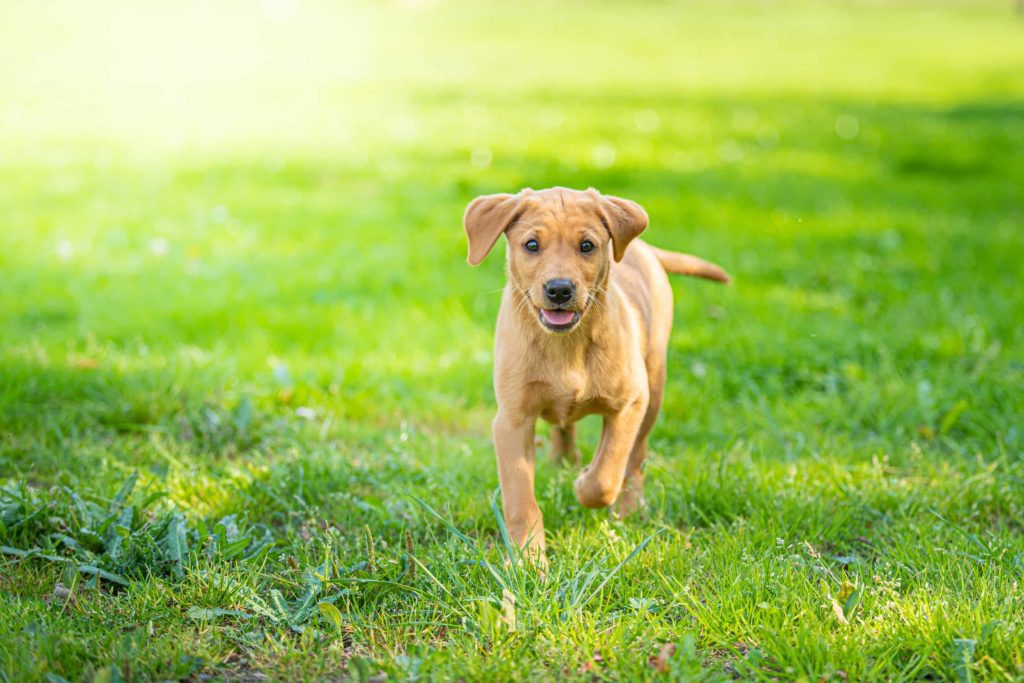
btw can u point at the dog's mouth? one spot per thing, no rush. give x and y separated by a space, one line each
557 319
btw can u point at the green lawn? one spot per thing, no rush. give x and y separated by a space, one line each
245 369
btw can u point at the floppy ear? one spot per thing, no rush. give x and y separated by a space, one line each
623 219
486 218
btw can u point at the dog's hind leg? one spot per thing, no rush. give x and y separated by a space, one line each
563 445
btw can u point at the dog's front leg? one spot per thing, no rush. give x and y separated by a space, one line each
514 445
599 483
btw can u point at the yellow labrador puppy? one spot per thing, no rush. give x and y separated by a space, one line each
583 329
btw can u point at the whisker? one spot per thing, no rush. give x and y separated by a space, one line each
523 301
600 290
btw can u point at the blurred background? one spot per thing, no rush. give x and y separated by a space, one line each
208 205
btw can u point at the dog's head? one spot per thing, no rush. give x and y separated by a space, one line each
560 245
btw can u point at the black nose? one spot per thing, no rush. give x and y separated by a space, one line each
559 291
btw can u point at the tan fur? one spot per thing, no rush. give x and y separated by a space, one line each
611 363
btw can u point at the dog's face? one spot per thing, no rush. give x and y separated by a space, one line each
560 246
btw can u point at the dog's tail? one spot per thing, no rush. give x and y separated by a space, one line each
694 266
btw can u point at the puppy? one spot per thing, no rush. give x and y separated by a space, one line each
583 329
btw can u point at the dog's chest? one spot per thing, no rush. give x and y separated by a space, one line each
570 395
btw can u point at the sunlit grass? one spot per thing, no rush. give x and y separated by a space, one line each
231 261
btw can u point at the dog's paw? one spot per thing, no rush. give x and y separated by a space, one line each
539 562
631 498
562 449
591 492
628 504
532 557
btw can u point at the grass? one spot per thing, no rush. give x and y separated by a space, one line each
245 372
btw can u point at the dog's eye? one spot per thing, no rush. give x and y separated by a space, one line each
586 246
532 245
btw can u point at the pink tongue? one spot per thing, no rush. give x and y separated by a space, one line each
557 317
